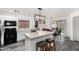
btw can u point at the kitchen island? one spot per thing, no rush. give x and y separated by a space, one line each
33 37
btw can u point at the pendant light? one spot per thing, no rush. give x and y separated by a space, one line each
40 14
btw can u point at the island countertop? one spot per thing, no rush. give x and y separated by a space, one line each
37 34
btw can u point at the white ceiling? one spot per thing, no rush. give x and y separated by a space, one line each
54 12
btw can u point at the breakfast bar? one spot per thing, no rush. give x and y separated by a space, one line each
33 37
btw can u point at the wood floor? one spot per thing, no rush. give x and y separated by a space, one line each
61 45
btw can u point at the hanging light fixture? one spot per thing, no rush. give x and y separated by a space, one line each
40 14
38 18
40 11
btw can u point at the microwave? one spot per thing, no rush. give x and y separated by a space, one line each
10 23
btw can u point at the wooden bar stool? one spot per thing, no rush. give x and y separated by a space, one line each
40 46
50 44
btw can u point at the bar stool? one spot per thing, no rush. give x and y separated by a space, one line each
40 46
50 44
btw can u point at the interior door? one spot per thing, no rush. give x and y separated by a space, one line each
75 28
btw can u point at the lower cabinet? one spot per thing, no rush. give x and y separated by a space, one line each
20 36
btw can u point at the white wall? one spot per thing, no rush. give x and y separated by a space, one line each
69 27
10 15
20 35
70 24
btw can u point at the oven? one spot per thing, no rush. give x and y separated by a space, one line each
10 33
10 36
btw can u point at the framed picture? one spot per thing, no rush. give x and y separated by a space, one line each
23 24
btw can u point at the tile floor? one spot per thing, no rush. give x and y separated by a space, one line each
19 46
67 45
61 45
